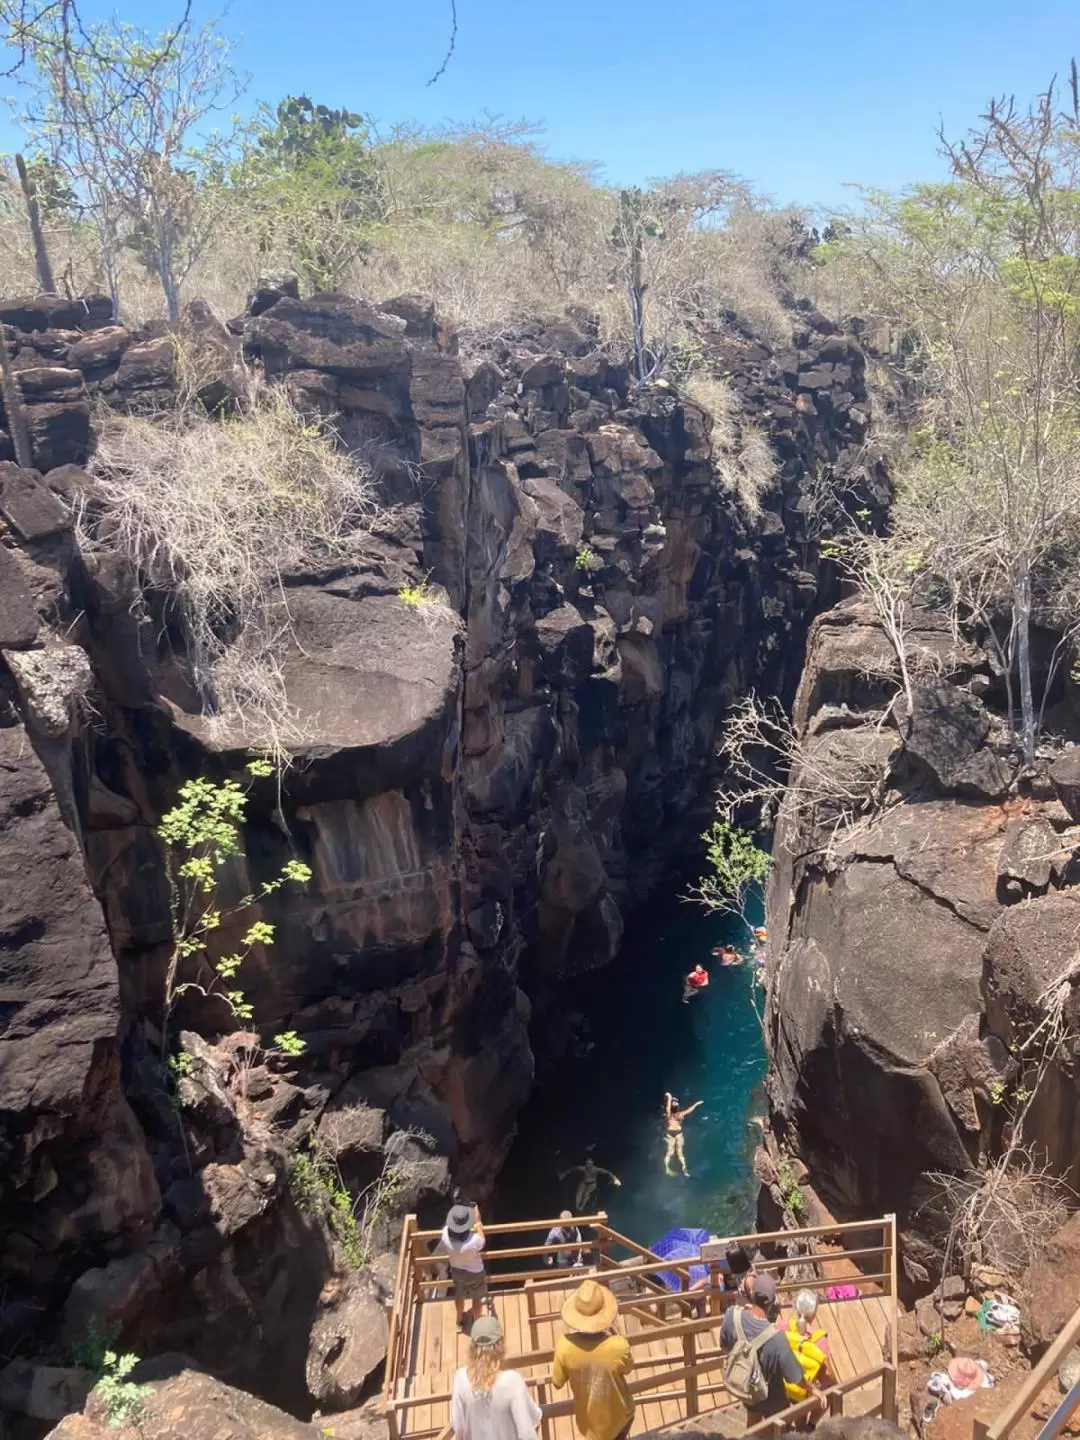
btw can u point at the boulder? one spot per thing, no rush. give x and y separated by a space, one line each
60 433
19 618
52 682
946 735
28 506
100 349
1065 776
190 1405
1032 856
42 1392
347 1344
54 312
1029 946
1049 1289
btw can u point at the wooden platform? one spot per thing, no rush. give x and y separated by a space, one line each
675 1338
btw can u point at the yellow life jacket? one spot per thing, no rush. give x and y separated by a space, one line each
810 1355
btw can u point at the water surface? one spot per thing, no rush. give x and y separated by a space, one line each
609 1103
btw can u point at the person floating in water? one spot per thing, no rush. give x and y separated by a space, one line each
694 982
588 1185
673 1137
728 955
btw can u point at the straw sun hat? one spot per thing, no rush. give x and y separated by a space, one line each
591 1309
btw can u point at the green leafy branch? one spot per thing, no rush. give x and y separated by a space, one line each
737 866
124 1401
202 833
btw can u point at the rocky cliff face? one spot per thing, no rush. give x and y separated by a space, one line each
490 780
916 945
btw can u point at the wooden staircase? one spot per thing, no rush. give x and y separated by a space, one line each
678 1363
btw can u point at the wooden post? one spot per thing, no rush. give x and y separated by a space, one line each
689 1350
836 1402
599 1232
888 1395
530 1311
541 1400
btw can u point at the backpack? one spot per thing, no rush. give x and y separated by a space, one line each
743 1375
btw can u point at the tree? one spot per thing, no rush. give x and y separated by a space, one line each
737 868
979 278
121 114
202 834
307 190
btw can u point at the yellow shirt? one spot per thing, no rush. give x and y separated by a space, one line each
596 1367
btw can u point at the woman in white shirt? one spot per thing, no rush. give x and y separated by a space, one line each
490 1403
463 1241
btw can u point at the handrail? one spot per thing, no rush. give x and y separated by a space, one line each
1004 1423
690 1361
518 1226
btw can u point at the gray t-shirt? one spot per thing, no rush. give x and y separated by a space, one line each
777 1359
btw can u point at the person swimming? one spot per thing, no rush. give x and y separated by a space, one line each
673 1132
695 982
728 955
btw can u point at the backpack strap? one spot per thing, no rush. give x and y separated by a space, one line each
758 1340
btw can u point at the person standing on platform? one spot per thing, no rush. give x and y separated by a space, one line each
490 1403
594 1360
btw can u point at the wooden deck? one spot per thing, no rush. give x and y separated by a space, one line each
678 1365
858 1332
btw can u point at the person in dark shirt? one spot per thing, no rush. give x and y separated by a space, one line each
566 1233
737 1266
777 1359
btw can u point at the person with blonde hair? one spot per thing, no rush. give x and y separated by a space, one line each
488 1402
811 1346
594 1359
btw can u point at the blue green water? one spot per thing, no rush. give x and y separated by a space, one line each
646 1041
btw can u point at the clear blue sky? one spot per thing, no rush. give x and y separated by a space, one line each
798 96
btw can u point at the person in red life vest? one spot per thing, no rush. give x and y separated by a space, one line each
695 981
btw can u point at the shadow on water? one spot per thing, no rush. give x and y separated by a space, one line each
609 1102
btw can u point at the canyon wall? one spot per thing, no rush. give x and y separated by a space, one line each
919 930
492 775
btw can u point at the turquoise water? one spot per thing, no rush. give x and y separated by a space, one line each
646 1041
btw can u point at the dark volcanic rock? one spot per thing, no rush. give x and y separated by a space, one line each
191 1405
348 1343
899 983
1065 774
504 714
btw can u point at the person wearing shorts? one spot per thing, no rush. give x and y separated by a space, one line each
463 1242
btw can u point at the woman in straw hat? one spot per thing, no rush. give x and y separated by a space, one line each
490 1403
595 1360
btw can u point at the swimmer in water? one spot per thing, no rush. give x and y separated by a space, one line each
695 982
585 1194
673 1132
728 955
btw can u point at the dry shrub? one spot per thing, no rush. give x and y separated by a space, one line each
1003 1216
743 459
215 514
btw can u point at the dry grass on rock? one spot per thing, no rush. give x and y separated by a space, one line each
215 514
743 459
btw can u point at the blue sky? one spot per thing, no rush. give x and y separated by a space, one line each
798 96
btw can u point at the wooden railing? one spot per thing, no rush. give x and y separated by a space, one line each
706 1300
1002 1426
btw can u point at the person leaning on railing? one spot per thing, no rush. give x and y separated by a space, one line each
463 1241
568 1237
594 1359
